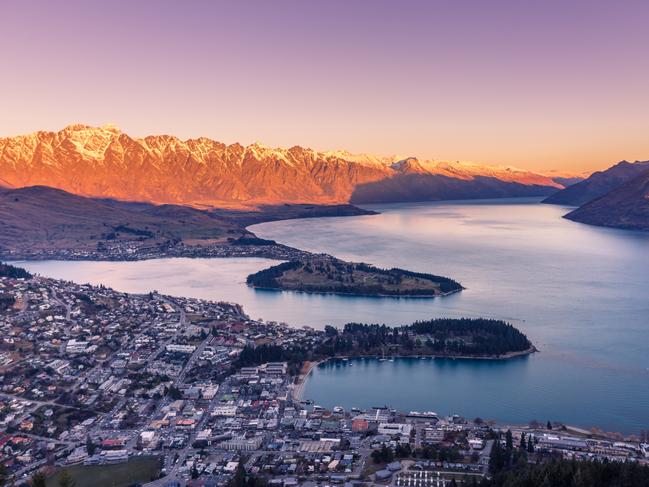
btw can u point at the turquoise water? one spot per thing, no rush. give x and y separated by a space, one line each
580 293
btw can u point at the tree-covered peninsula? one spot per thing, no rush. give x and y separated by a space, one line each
478 338
325 274
7 270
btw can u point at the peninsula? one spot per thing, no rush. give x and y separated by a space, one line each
41 223
470 338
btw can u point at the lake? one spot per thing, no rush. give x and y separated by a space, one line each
580 293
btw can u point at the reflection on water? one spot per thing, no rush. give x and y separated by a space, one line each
579 293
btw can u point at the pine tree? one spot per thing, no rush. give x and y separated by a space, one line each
509 440
530 445
90 446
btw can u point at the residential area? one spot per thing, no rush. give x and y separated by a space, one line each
92 378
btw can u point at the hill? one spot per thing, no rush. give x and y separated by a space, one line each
324 274
42 217
104 162
598 184
625 207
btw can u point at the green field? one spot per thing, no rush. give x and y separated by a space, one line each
136 470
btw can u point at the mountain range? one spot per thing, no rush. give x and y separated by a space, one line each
598 184
617 197
104 162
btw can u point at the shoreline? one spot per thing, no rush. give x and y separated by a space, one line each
359 295
507 356
298 388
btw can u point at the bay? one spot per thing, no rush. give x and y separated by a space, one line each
580 293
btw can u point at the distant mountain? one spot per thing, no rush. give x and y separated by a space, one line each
432 187
567 180
598 184
624 207
107 163
42 217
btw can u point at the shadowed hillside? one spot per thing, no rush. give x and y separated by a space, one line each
45 217
598 184
428 187
625 207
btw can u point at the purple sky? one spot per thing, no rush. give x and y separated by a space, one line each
542 85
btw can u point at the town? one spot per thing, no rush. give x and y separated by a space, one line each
155 390
141 249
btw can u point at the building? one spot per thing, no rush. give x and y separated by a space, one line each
391 429
360 425
175 348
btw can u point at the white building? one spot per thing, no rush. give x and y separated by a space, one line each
391 429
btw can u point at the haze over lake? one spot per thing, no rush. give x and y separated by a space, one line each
580 293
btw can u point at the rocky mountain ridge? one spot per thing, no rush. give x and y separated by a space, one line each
105 162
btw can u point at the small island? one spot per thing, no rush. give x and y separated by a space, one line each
326 274
467 338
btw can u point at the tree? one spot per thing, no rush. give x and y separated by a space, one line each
402 451
330 331
66 480
498 458
3 473
239 479
90 446
384 455
523 444
530 445
549 425
175 393
37 480
509 440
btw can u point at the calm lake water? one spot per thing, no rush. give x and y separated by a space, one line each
580 293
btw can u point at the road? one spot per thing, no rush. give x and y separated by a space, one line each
183 453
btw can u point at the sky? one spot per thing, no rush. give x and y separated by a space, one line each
543 85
